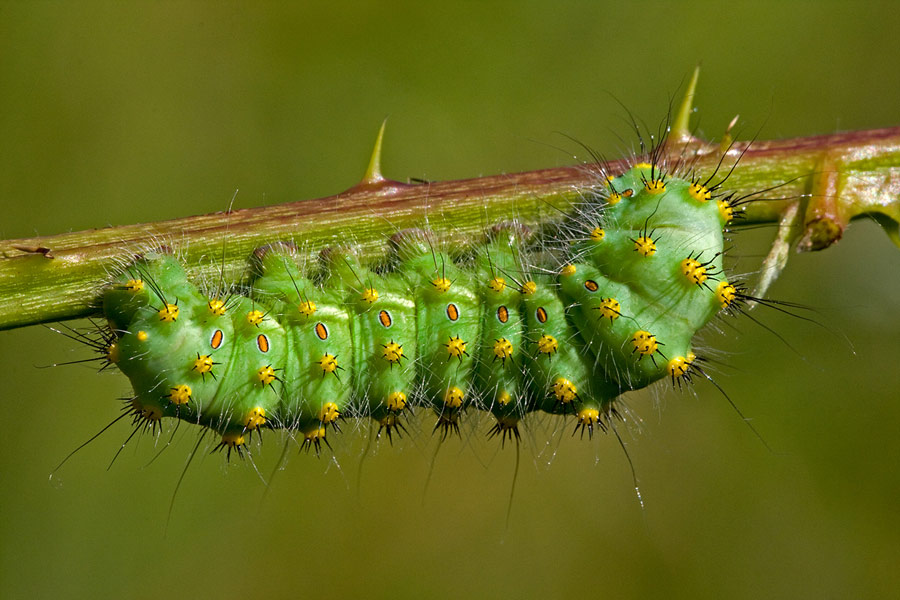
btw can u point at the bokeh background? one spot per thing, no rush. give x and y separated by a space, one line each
113 113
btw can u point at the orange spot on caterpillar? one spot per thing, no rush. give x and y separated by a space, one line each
502 314
591 285
541 315
217 339
452 312
262 342
321 331
384 317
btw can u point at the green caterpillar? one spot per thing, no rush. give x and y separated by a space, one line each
510 328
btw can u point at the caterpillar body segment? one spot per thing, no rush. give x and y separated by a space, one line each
499 333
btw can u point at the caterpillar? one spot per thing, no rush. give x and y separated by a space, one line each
562 323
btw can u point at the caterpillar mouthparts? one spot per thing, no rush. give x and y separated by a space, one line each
631 275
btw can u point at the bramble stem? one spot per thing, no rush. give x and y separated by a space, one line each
829 179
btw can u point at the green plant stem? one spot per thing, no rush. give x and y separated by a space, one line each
827 179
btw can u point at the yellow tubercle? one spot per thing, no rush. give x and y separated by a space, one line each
453 398
370 295
504 398
216 307
693 271
547 345
597 234
699 192
233 439
142 336
643 165
588 417
307 308
497 284
726 293
441 284
645 343
655 186
610 309
134 286
266 375
328 363
678 367
255 317
503 349
456 347
180 394
529 287
329 413
112 352
568 270
396 401
168 313
645 246
203 364
564 390
314 435
726 211
614 198
392 352
255 419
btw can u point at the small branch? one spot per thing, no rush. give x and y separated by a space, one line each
833 179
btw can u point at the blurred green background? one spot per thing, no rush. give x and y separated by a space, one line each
113 113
